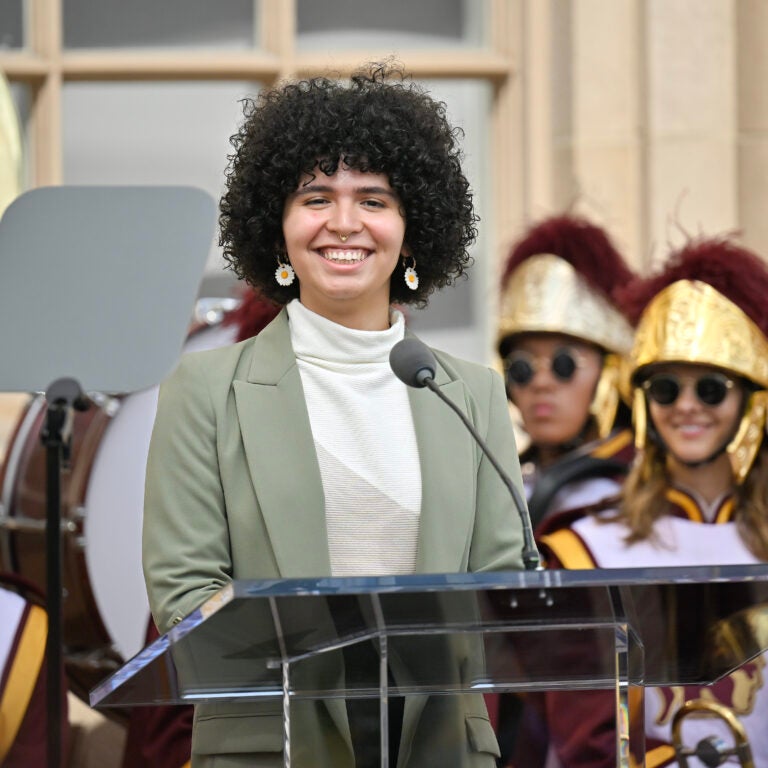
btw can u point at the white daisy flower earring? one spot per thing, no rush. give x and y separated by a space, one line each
284 273
411 278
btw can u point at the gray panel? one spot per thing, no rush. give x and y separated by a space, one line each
166 24
431 18
11 24
456 317
395 25
98 283
452 307
151 133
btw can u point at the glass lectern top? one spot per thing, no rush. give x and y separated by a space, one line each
503 631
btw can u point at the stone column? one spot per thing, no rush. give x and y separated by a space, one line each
582 114
691 120
752 70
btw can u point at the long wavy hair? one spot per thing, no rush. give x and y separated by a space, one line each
644 500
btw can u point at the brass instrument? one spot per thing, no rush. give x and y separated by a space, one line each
712 751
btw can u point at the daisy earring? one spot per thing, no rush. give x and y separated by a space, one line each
284 273
411 278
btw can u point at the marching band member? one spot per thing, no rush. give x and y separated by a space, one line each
561 337
698 491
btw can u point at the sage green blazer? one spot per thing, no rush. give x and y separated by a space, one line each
233 491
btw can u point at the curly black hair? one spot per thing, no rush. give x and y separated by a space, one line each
380 122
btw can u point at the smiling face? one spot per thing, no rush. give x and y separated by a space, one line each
692 430
554 408
344 236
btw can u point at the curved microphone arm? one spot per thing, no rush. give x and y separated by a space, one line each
531 557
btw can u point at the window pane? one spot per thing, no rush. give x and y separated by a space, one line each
227 24
396 24
177 133
456 318
11 29
152 133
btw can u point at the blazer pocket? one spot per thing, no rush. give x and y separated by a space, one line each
481 736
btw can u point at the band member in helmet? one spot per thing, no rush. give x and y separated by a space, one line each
561 338
698 491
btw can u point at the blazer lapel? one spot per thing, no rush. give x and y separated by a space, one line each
284 472
448 477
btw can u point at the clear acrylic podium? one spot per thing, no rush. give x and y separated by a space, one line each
452 634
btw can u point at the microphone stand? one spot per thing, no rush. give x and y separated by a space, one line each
63 397
531 558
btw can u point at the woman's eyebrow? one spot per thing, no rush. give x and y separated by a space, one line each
311 188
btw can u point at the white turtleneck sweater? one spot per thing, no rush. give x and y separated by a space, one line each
365 440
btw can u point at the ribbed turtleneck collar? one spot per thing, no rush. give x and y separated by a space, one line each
315 338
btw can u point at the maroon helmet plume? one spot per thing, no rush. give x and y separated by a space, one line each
585 246
735 272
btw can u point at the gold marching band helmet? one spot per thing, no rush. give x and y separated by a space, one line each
545 294
689 321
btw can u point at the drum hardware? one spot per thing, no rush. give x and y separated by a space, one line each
32 525
79 514
24 528
110 405
712 751
29 422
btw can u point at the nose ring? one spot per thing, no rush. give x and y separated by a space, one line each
343 238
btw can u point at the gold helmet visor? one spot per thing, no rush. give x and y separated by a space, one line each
691 322
545 294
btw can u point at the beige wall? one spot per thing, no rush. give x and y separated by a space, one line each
650 116
752 112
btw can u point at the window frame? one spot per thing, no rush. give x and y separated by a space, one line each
44 66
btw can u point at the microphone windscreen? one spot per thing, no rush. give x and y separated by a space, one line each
412 362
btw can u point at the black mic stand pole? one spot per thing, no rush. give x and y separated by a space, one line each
63 397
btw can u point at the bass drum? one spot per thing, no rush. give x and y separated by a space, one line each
105 609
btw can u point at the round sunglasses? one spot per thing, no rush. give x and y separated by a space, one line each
520 367
710 388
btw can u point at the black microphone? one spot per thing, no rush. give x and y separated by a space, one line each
415 365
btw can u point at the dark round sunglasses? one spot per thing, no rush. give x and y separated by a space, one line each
665 388
521 367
